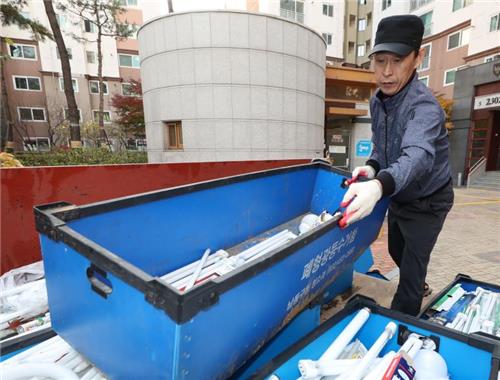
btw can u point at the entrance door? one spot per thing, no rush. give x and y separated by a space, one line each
338 148
493 159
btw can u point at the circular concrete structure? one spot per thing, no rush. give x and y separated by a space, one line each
245 86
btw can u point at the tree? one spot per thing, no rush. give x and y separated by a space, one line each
10 14
104 16
74 115
130 111
447 106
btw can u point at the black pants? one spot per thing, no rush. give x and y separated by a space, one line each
413 230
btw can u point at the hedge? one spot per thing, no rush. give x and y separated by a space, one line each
85 156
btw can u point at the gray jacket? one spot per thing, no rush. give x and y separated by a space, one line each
410 153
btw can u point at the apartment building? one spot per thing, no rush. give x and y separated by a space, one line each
325 17
358 26
33 78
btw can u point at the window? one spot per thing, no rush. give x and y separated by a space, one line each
458 39
361 24
27 83
106 115
427 20
415 4
128 3
386 4
368 44
17 51
136 144
362 2
328 38
89 26
73 81
128 90
31 114
368 18
91 56
495 23
127 60
449 77
426 61
352 20
66 113
68 50
328 10
39 144
361 50
61 20
173 135
133 36
292 10
351 47
424 80
491 58
459 4
94 87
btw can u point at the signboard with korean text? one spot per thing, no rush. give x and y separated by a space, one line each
487 101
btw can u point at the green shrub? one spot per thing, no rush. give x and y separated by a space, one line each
85 156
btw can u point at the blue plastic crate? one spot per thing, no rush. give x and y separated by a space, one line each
467 356
469 285
103 262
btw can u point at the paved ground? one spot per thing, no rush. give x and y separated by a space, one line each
468 244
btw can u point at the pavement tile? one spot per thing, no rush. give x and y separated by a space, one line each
469 242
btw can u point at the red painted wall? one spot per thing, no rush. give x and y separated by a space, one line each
23 188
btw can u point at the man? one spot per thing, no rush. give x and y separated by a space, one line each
409 162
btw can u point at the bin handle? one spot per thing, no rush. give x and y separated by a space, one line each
99 281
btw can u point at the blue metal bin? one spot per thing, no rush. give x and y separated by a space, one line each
103 262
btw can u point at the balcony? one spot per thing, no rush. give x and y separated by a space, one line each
292 15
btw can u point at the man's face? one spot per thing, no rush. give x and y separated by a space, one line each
392 72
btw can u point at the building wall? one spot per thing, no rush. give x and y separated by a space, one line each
315 19
467 82
56 99
441 60
48 68
361 131
25 98
244 86
354 37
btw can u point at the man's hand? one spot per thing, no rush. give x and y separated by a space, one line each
361 198
365 171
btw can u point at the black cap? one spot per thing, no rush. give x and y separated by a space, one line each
399 34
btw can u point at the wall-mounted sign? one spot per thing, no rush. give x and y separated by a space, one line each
487 101
363 148
337 139
341 91
337 149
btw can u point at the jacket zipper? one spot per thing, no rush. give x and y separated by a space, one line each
385 148
385 126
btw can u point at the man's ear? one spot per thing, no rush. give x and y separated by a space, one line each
420 57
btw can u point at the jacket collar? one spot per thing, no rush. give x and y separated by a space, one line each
390 102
